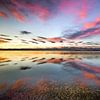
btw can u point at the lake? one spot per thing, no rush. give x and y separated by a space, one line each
61 67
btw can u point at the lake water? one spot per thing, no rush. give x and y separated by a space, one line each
59 66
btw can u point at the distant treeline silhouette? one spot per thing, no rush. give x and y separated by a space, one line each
63 49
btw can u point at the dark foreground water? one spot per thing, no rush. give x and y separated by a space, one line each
49 75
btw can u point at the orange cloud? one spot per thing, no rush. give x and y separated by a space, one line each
89 25
4 40
2 14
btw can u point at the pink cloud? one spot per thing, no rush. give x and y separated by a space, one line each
46 9
78 9
92 24
40 11
87 34
84 10
18 15
66 6
37 9
55 39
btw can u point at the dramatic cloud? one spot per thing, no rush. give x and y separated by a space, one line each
49 18
83 33
89 29
44 9
22 9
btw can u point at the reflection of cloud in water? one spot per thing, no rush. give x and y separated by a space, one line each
82 67
89 72
67 63
23 59
25 67
2 60
33 58
4 64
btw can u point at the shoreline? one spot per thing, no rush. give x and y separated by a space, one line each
68 49
54 51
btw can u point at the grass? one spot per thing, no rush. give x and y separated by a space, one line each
46 90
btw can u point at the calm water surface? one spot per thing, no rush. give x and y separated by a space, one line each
81 68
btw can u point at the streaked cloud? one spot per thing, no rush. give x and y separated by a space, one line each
55 39
18 15
89 29
4 40
45 9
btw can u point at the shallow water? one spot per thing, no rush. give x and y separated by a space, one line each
71 68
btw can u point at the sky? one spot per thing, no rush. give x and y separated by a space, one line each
49 23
